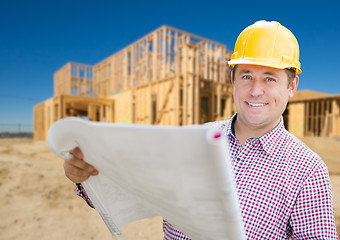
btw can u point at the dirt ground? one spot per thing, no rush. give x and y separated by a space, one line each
38 202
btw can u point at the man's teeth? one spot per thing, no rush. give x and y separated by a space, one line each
257 104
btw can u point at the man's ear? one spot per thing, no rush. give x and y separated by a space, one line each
232 78
293 86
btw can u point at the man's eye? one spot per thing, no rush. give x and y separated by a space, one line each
271 80
246 77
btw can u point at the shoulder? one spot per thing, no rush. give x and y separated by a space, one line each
302 157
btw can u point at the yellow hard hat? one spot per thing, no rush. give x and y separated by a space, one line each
267 44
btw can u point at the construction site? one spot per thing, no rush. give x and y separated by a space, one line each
168 77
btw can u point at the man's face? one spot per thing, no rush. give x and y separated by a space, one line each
261 95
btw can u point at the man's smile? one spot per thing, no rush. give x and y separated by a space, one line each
256 104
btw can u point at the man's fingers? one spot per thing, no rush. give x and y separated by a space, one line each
75 174
81 164
76 179
77 153
76 169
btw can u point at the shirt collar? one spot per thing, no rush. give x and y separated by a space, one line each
268 141
231 126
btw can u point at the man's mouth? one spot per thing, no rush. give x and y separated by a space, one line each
256 104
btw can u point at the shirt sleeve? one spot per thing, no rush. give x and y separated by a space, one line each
313 213
82 193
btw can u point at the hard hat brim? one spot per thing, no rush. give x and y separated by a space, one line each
265 62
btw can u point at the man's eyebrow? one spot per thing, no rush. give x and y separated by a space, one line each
270 73
245 71
266 73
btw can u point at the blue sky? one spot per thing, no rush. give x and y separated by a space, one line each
39 37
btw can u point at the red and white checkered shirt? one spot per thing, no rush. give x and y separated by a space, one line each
283 187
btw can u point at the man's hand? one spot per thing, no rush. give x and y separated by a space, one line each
76 169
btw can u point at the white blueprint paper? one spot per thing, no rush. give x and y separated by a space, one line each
180 173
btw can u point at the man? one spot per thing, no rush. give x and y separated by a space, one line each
283 187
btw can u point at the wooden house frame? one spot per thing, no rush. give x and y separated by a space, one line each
168 77
317 116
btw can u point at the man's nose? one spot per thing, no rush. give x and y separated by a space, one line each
257 88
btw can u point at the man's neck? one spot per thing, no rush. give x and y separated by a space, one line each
244 132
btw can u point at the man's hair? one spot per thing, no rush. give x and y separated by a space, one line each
290 73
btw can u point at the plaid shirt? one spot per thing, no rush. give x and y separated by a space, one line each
283 187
